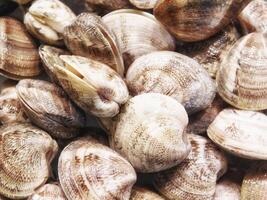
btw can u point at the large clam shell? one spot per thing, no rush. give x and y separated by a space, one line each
150 132
48 107
89 37
144 4
195 178
141 193
195 20
243 133
26 153
241 78
138 33
90 170
50 191
172 74
18 54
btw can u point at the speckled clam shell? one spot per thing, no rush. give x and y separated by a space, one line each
195 20
138 33
172 74
144 4
210 53
195 178
107 4
50 191
150 132
254 184
88 36
90 170
241 79
25 153
254 16
18 54
243 133
141 193
48 107
227 189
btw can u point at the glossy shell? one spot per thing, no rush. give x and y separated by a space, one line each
172 74
150 132
138 33
144 4
141 193
241 79
195 178
243 133
26 154
195 20
90 170
88 36
48 107
18 54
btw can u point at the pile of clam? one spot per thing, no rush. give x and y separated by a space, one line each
133 100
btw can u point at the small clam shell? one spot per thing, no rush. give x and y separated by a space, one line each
150 132
144 4
108 4
172 74
227 189
243 133
138 33
90 170
254 16
18 54
47 19
140 193
88 36
195 178
26 153
48 107
241 79
195 20
48 192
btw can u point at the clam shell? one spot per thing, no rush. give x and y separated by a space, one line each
242 133
150 132
253 17
89 37
195 20
18 54
48 107
141 193
107 4
227 189
138 33
90 170
144 4
241 79
195 178
50 191
26 153
172 74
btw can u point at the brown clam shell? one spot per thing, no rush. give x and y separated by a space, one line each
107 4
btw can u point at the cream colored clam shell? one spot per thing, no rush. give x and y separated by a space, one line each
90 170
150 132
227 189
172 74
243 133
195 178
144 4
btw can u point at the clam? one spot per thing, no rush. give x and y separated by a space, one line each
92 85
144 4
89 37
46 20
18 54
172 74
253 17
210 53
242 133
241 78
254 184
26 154
150 132
107 4
90 170
138 33
195 178
141 193
48 107
196 20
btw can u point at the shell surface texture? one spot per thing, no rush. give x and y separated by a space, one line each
150 132
195 178
144 4
48 107
107 4
141 193
90 170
